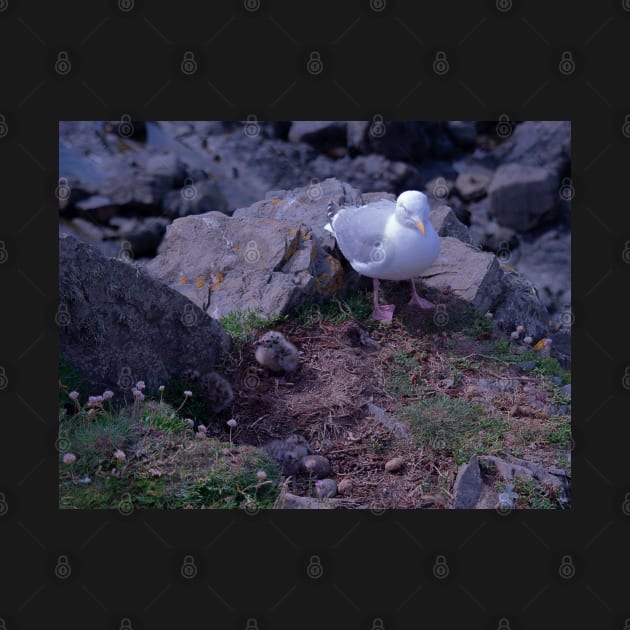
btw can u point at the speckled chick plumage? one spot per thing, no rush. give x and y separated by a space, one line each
288 453
276 353
218 390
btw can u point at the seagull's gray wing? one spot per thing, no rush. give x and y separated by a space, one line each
360 232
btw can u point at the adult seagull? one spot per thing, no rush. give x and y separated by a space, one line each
388 241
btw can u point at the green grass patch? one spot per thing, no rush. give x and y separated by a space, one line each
241 324
476 324
165 422
94 440
534 496
551 367
356 305
166 464
398 383
232 482
559 432
454 428
505 350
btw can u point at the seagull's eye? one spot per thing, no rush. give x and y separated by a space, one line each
404 207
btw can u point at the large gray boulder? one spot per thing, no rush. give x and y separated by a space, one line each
446 223
306 205
522 197
274 255
473 276
475 485
195 197
366 172
546 261
225 264
538 143
519 304
117 325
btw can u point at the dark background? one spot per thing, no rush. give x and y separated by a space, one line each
124 570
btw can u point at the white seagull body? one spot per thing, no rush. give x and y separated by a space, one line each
388 241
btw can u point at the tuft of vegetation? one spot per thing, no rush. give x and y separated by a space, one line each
403 378
505 350
147 455
241 324
453 427
550 367
534 496
193 407
231 482
356 305
477 325
97 440
559 432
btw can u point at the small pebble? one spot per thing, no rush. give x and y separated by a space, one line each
315 465
345 486
394 464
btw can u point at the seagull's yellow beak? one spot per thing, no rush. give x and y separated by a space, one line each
420 226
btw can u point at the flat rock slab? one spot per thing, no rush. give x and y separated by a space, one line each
472 275
118 325
471 491
305 206
397 427
515 468
270 256
225 264
290 501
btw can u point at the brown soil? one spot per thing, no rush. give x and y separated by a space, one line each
326 402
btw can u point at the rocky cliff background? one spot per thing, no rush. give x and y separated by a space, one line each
123 183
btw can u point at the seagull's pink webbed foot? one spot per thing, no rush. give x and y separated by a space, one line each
417 300
381 313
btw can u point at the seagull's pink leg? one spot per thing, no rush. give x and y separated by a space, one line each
417 300
381 313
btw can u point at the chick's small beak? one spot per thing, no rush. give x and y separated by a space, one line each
420 226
